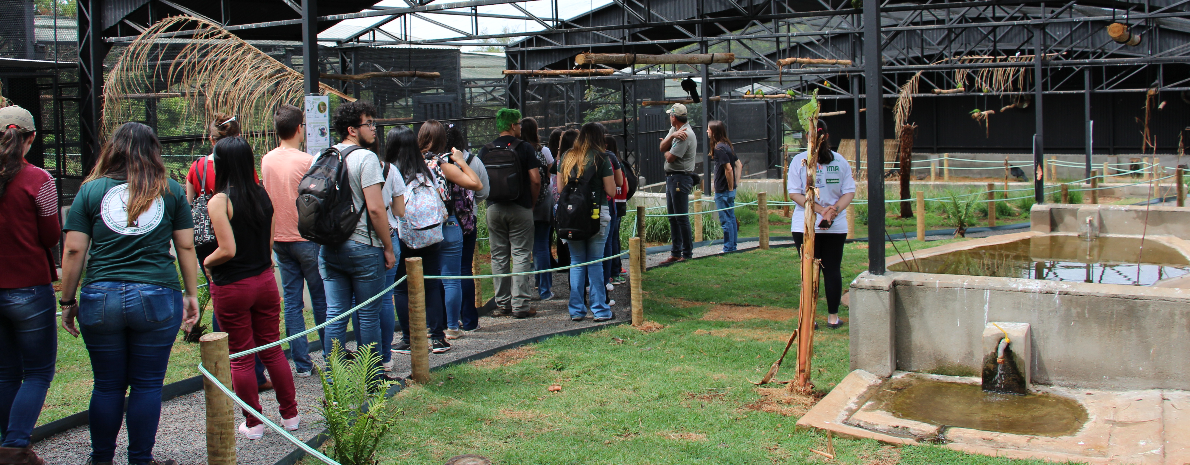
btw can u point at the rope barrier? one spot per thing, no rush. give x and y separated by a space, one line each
264 419
527 273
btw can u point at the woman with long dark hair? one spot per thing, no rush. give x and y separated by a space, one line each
836 188
28 339
243 286
543 211
725 181
394 196
428 160
586 155
467 315
127 213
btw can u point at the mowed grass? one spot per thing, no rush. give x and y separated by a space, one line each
681 394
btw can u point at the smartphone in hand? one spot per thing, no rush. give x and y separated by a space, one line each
825 224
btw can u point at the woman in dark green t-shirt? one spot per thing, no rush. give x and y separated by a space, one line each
131 306
586 155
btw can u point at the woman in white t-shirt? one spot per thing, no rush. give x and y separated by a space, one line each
836 188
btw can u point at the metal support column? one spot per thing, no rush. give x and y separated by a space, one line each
704 141
1088 124
92 50
873 77
628 103
855 93
310 45
1038 136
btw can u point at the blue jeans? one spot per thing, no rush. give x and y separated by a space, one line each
727 219
29 342
299 264
435 310
469 316
611 268
541 257
352 272
129 329
450 261
388 314
589 275
677 200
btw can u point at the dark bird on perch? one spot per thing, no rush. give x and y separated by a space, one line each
1018 173
691 88
891 173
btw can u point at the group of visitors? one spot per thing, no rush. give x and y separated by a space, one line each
417 198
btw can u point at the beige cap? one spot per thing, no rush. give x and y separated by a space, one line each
16 116
677 110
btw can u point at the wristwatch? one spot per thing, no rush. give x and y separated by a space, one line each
68 303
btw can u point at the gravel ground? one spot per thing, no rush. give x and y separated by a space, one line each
181 435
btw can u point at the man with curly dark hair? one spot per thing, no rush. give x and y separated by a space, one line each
355 269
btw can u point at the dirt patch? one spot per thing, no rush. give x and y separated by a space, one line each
684 436
727 312
650 327
886 455
709 396
782 402
740 334
679 303
506 358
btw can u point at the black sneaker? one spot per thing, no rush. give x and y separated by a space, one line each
439 346
402 348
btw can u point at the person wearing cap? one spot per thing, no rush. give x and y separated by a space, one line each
679 147
28 336
836 187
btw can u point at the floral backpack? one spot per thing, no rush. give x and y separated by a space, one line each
460 201
425 210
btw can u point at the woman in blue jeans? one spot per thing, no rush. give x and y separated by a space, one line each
126 213
586 155
28 339
394 194
461 184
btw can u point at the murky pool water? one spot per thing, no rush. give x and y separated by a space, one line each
968 406
1106 260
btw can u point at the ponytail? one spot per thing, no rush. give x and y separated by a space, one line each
12 154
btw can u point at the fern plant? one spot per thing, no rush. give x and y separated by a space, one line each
961 211
354 406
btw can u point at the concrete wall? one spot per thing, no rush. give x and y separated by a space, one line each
1085 335
1113 219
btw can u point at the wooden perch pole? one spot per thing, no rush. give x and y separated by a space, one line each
812 61
833 113
949 91
382 74
560 72
629 59
773 97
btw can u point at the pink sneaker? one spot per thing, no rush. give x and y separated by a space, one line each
292 424
253 433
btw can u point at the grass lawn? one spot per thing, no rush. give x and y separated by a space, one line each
679 394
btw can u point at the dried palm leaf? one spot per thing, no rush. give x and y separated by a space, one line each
904 104
212 69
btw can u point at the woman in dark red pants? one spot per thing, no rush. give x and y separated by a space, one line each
243 288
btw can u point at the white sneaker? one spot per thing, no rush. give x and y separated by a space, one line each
388 366
252 433
611 303
302 374
291 424
610 287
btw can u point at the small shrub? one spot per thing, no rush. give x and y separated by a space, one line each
1075 196
1024 204
747 215
961 211
354 407
861 213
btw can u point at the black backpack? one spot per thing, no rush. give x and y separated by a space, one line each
577 217
504 172
326 211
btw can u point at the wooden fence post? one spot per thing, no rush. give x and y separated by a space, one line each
1065 194
991 205
1094 188
698 224
946 167
921 216
419 343
1106 173
850 222
221 426
1147 170
763 204
933 171
784 186
635 265
478 282
1179 173
640 221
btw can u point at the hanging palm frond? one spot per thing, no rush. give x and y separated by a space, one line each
210 69
904 104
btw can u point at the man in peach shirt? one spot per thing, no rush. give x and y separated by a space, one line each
282 170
